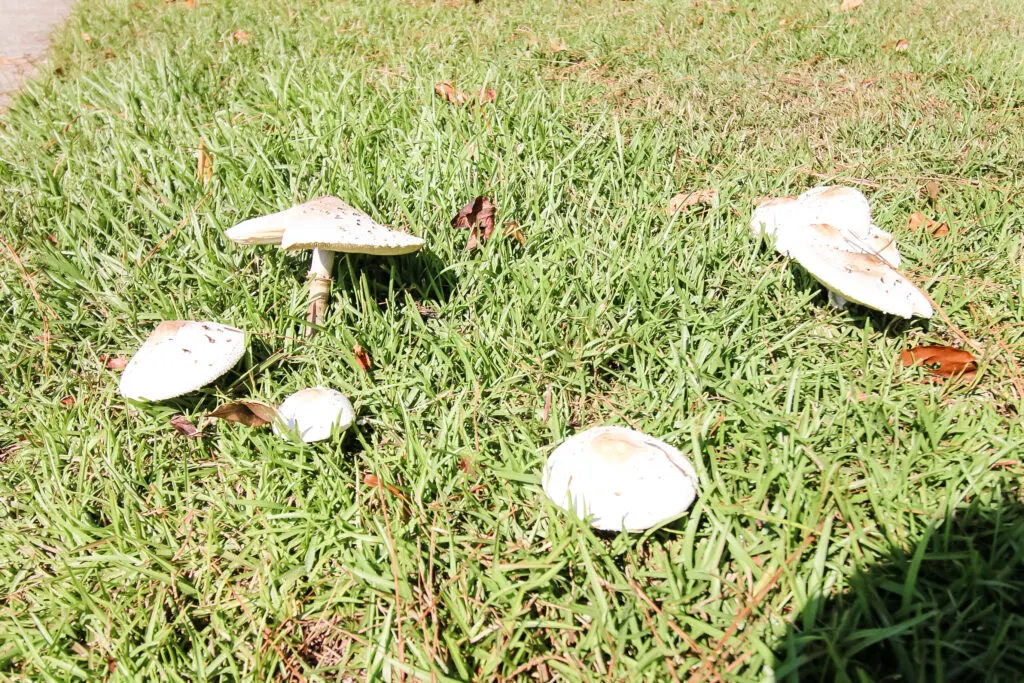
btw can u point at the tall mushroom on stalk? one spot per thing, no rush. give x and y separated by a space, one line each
828 230
326 225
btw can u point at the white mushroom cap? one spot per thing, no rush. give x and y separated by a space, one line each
346 229
313 413
181 356
858 276
828 230
624 478
324 223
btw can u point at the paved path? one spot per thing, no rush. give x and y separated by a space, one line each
25 28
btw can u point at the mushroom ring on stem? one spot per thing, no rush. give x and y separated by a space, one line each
828 230
325 225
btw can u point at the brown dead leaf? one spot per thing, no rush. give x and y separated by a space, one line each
448 92
68 401
86 37
848 5
248 413
931 188
486 96
362 357
919 221
512 230
945 361
371 480
466 465
902 45
204 164
113 362
240 37
478 217
427 312
685 200
182 425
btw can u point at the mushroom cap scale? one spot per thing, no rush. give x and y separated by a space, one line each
623 478
180 356
314 413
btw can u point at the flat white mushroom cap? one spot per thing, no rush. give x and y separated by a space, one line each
313 413
325 223
340 227
624 478
858 276
181 356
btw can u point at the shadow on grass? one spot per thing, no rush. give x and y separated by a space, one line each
950 607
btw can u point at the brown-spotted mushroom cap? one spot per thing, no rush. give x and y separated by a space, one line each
314 413
621 478
181 356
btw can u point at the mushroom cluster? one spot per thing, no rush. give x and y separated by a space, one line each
828 231
180 356
618 479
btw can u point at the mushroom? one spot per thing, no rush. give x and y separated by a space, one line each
313 413
180 356
622 478
325 225
828 230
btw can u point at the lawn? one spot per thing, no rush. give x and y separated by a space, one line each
856 521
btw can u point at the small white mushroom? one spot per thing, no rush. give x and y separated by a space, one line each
828 230
314 413
622 478
325 225
181 356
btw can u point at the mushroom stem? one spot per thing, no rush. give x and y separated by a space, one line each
319 288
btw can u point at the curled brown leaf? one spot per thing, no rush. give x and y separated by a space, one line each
685 200
945 361
248 413
362 357
183 426
919 221
478 217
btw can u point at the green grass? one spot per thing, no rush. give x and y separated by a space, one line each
836 537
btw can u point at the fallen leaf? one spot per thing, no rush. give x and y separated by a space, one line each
466 465
182 425
931 188
918 221
68 401
204 164
371 480
942 360
485 96
902 45
52 239
558 45
362 357
427 312
850 5
512 230
450 94
685 200
240 37
478 217
249 413
113 362
86 37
